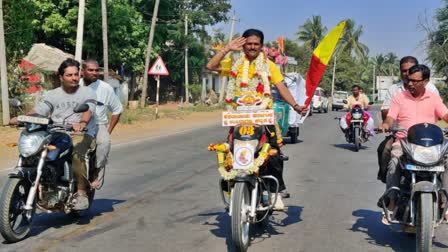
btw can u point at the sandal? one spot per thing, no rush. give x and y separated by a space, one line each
98 181
385 220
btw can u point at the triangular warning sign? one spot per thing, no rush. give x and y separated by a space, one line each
158 68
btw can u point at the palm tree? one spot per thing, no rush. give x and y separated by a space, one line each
312 32
350 43
350 40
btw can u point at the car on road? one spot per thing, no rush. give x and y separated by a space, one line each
338 100
320 101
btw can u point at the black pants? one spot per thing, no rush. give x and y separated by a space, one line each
384 157
275 164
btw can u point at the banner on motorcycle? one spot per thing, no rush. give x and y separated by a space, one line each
319 60
260 117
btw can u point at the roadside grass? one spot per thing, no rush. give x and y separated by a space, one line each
149 113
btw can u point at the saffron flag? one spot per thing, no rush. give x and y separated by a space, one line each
281 47
319 60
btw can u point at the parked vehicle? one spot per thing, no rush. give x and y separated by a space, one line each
338 100
43 177
320 101
241 162
420 190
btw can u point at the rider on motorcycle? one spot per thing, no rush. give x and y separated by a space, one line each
357 98
110 101
251 43
414 105
58 104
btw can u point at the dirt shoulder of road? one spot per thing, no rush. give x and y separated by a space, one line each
122 133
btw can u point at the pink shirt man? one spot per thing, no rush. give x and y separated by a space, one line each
408 110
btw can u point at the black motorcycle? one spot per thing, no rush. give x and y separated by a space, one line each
43 177
420 190
355 133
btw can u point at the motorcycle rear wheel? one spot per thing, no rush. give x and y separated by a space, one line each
14 225
240 217
424 223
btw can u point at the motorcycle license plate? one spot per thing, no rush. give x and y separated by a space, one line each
359 121
260 117
243 157
33 119
438 168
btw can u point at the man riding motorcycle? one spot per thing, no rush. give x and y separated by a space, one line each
251 43
360 99
58 104
414 105
385 146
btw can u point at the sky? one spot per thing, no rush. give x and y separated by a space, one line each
388 25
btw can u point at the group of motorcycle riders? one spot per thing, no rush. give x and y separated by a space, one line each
411 101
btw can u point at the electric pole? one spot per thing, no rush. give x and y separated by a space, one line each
148 52
224 78
3 72
80 32
105 43
334 77
187 97
374 82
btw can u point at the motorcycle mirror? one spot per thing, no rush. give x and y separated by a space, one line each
81 108
15 103
345 101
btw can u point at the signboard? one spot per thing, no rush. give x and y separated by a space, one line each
158 68
260 117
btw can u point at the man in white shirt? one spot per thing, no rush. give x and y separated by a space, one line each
106 95
385 147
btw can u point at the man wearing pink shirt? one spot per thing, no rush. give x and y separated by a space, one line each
412 106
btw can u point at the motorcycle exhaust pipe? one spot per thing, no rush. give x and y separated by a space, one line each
33 189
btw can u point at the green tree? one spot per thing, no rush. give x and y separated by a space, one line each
312 32
350 40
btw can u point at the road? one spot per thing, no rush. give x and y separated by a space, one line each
161 195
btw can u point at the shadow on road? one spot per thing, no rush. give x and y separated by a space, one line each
369 222
259 232
348 146
45 221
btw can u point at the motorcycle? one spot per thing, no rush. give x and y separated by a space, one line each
420 190
356 120
241 163
43 177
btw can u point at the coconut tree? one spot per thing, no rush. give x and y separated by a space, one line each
311 32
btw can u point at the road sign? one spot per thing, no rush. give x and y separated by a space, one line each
158 68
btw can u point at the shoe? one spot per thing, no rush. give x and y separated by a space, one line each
279 206
80 202
285 194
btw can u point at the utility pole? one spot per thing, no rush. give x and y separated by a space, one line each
105 43
148 52
374 82
3 72
187 97
334 76
80 32
224 78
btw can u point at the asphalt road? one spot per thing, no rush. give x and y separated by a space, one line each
161 195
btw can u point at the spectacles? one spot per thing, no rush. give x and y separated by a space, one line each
415 81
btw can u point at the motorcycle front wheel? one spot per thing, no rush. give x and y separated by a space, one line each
357 135
240 216
14 223
424 223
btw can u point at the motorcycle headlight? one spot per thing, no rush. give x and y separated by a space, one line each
356 115
30 143
426 155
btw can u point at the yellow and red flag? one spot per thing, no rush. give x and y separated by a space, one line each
319 60
281 47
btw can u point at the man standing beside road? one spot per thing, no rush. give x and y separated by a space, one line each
105 94
385 147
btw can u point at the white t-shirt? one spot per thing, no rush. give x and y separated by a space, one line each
398 87
106 95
